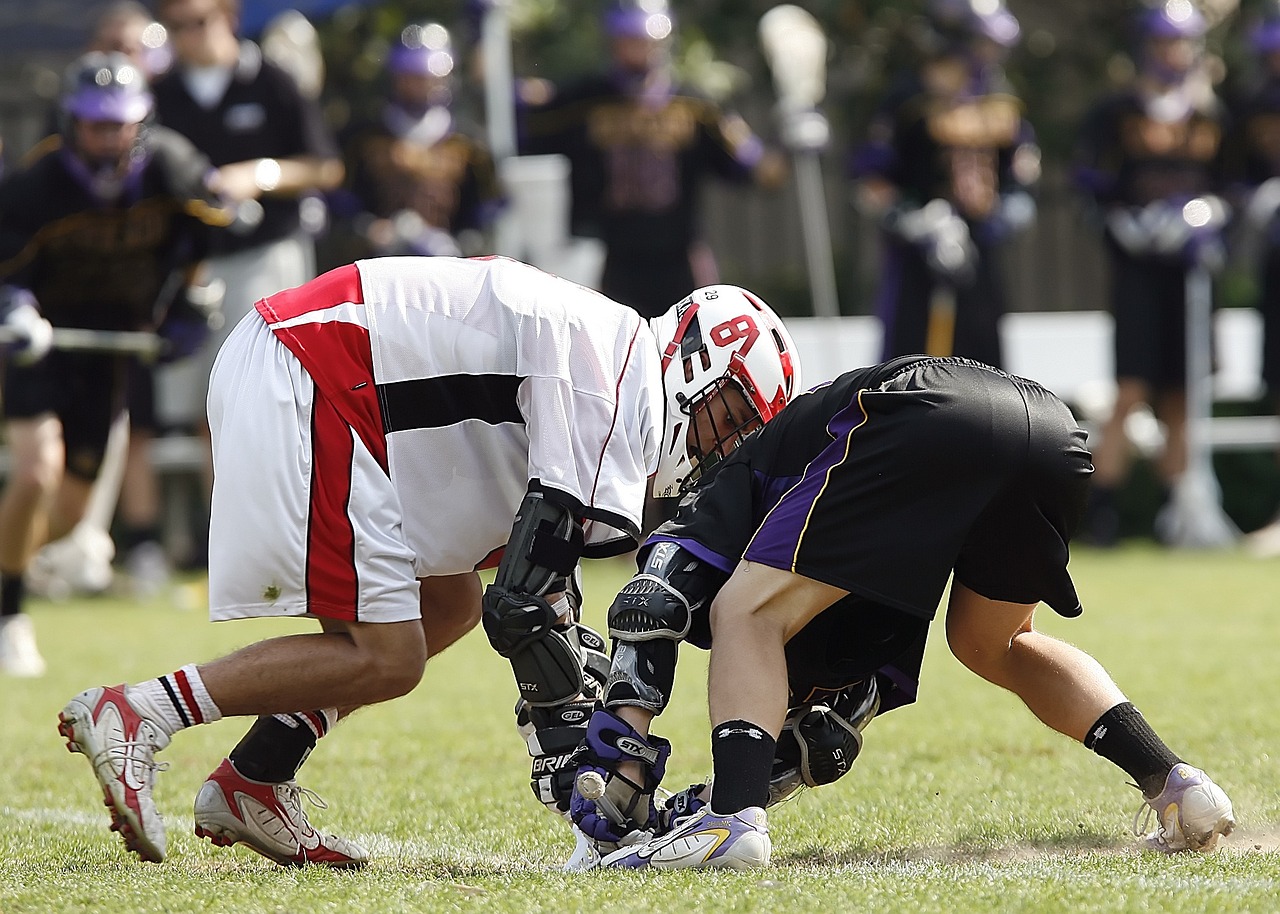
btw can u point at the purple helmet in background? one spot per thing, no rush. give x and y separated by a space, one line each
106 87
422 50
958 21
638 19
1173 19
1264 37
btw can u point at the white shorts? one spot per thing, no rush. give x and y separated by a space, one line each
304 521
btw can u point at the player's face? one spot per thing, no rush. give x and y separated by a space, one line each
720 424
1173 55
197 28
105 143
633 54
418 91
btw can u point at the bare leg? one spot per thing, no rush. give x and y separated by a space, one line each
752 618
1113 452
1171 409
37 452
366 664
1062 685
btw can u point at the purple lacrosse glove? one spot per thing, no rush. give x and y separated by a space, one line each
625 805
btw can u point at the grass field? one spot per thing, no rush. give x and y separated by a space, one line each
961 803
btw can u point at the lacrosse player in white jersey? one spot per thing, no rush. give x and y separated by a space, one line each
358 421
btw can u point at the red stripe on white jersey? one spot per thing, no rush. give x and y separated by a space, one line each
332 288
332 580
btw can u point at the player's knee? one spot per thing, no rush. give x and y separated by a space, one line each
396 668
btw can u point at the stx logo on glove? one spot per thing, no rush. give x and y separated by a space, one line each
636 748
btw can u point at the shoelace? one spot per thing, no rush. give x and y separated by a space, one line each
292 791
1142 824
121 751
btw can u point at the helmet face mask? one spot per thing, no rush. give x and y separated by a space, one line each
721 417
728 367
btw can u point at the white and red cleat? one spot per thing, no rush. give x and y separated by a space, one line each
120 742
268 818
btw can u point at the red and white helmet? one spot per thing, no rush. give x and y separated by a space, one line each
719 336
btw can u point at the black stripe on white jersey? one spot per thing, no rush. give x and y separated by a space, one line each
449 399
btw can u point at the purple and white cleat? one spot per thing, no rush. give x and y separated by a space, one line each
739 841
1191 813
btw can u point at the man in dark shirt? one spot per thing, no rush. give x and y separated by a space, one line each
271 149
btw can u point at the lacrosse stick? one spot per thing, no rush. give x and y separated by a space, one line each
796 48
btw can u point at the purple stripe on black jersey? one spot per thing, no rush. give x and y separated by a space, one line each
702 552
778 539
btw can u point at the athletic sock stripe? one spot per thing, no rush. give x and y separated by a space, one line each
316 721
188 695
177 703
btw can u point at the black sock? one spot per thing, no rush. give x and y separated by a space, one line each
272 751
1123 736
742 759
130 536
12 590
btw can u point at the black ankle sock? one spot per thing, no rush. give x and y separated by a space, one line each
272 751
1123 736
12 590
131 536
742 758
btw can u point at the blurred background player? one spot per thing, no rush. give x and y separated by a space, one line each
419 181
1254 172
270 146
1144 153
640 145
948 167
102 231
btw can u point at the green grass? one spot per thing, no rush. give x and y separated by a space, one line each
961 803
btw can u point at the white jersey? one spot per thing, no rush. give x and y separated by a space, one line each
470 379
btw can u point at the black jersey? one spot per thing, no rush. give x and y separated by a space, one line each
1131 152
262 114
446 177
967 148
103 266
637 161
891 477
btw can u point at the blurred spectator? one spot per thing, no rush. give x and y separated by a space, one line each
419 182
100 231
639 146
948 168
127 27
1144 153
270 146
1254 170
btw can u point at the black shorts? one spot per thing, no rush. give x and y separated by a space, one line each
85 392
948 464
1149 304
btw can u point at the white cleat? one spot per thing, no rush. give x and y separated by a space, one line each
1191 813
120 742
739 841
268 818
19 655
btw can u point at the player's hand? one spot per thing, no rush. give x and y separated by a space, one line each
29 334
617 805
